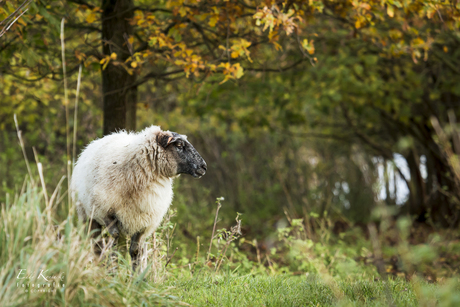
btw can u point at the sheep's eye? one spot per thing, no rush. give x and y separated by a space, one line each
179 144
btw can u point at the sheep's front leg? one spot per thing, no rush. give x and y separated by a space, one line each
135 249
110 222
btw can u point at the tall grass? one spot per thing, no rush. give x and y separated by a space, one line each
49 263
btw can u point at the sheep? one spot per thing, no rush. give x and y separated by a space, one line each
124 182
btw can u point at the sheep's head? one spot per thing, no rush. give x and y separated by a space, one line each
181 155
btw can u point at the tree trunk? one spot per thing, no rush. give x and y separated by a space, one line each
418 207
119 95
131 109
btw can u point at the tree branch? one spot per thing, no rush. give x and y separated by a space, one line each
81 2
144 79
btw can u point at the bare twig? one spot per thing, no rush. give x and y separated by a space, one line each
5 29
74 151
42 179
21 142
214 228
12 15
233 234
66 105
169 260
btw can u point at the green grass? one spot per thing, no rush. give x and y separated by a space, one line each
300 273
205 289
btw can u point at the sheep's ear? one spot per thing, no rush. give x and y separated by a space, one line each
164 140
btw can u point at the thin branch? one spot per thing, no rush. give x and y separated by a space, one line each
25 3
137 8
5 29
74 151
246 5
169 260
150 10
84 27
207 41
81 2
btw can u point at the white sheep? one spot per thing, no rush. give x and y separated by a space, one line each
124 181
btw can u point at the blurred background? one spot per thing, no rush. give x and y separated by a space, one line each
302 110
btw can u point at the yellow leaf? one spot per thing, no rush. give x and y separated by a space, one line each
273 36
311 50
430 12
213 21
21 21
390 11
357 24
365 6
234 54
227 77
133 64
131 39
113 56
418 41
103 61
91 17
278 47
308 45
183 11
239 71
445 49
258 15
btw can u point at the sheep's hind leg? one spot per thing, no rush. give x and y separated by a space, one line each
110 222
135 249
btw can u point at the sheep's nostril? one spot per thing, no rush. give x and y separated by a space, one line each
205 167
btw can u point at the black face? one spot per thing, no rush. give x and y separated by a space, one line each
188 159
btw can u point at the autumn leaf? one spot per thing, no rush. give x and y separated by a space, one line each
91 17
308 45
390 11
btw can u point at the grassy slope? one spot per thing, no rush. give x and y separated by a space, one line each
260 290
30 239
